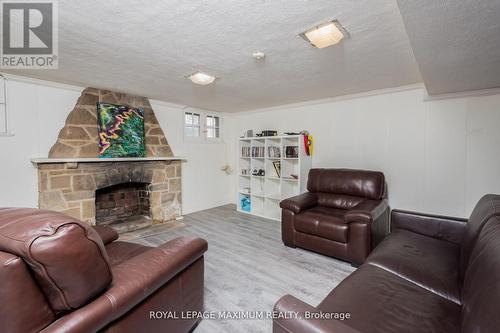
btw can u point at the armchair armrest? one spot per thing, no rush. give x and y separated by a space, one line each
291 305
133 281
446 228
107 234
367 211
300 202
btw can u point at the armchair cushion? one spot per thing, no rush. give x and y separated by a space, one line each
300 202
367 211
323 222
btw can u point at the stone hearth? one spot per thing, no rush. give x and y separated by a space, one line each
69 179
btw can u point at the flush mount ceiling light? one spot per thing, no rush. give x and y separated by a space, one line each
258 55
325 34
201 78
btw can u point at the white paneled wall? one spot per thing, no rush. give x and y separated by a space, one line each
438 156
36 113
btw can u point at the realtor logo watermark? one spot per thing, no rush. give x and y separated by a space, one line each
29 34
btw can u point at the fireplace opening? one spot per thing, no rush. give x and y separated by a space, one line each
123 206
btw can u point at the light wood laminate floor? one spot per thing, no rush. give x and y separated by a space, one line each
247 267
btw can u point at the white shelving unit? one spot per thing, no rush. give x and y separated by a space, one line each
262 194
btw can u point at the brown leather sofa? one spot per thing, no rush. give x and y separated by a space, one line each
431 274
344 214
60 275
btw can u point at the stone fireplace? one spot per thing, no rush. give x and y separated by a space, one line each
126 193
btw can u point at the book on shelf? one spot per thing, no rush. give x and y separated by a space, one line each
274 151
292 151
245 151
258 152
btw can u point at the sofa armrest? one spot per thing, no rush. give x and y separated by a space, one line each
296 310
300 202
107 234
133 281
367 211
446 228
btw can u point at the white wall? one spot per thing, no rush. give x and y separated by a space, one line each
438 156
204 184
37 112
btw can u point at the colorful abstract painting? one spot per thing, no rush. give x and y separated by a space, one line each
121 131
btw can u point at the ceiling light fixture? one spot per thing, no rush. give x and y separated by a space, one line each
258 55
325 34
201 78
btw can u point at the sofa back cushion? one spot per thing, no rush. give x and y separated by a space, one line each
347 182
67 257
23 307
481 287
488 206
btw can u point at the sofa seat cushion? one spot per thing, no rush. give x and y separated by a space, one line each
381 302
119 252
428 262
323 222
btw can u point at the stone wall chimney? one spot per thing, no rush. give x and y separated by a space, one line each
78 137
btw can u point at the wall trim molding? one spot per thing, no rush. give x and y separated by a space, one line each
463 94
166 104
370 93
26 79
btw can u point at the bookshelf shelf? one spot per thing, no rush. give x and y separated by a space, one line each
270 154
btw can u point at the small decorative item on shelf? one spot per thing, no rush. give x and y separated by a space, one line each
245 203
269 133
292 151
245 172
277 168
258 172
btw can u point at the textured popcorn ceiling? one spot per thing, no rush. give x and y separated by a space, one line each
148 47
456 43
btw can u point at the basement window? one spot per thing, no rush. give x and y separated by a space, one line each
191 124
201 126
213 131
4 117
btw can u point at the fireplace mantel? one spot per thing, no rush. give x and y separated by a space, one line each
52 160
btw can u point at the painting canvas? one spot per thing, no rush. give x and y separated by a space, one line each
121 131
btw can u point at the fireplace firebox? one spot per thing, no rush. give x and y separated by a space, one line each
123 203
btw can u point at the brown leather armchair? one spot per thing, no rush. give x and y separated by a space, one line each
60 275
344 214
